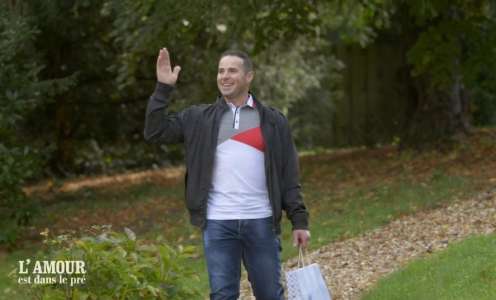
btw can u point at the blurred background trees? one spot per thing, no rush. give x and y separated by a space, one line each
22 91
75 75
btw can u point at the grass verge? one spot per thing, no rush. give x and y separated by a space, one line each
464 271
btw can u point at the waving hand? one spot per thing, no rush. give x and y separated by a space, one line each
165 73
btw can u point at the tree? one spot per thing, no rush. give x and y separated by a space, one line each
21 91
450 47
81 54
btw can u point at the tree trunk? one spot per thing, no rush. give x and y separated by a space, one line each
438 118
63 130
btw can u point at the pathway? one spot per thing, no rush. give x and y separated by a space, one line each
351 266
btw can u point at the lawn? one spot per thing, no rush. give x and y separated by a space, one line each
466 270
347 193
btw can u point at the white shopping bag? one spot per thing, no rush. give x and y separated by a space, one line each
306 282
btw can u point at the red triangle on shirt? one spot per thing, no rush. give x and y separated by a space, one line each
252 137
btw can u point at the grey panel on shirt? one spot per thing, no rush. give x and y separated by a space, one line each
248 119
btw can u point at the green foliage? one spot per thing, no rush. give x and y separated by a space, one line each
196 32
77 57
446 39
449 46
22 91
19 92
353 22
285 74
458 40
209 25
19 86
316 91
281 36
485 104
16 210
109 49
121 266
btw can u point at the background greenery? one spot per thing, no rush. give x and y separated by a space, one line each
75 77
75 97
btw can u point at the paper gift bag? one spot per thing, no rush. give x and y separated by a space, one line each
306 282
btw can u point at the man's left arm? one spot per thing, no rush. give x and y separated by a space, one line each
292 199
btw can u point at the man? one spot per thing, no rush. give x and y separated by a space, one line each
241 171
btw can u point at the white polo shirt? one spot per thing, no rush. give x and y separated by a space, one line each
239 187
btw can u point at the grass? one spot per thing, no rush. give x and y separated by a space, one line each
357 210
333 216
466 270
346 194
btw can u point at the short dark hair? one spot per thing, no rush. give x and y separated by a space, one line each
247 63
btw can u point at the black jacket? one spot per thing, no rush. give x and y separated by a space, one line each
198 126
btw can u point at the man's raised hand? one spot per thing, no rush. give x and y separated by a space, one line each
165 74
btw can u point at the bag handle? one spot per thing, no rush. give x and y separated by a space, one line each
302 260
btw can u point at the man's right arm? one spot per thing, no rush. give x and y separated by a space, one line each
159 127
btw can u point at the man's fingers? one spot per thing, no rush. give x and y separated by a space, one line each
176 71
160 58
304 242
163 59
301 238
166 53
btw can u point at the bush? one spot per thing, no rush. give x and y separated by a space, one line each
119 266
16 209
484 106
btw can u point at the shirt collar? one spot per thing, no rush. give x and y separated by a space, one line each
249 102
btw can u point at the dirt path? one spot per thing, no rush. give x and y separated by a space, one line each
106 181
351 266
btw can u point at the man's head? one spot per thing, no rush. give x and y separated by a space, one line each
234 74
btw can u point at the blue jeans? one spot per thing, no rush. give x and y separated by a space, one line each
228 242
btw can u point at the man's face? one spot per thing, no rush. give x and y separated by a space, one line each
232 79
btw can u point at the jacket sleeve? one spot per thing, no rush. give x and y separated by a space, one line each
292 199
160 126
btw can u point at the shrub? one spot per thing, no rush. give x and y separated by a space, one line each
119 266
16 209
